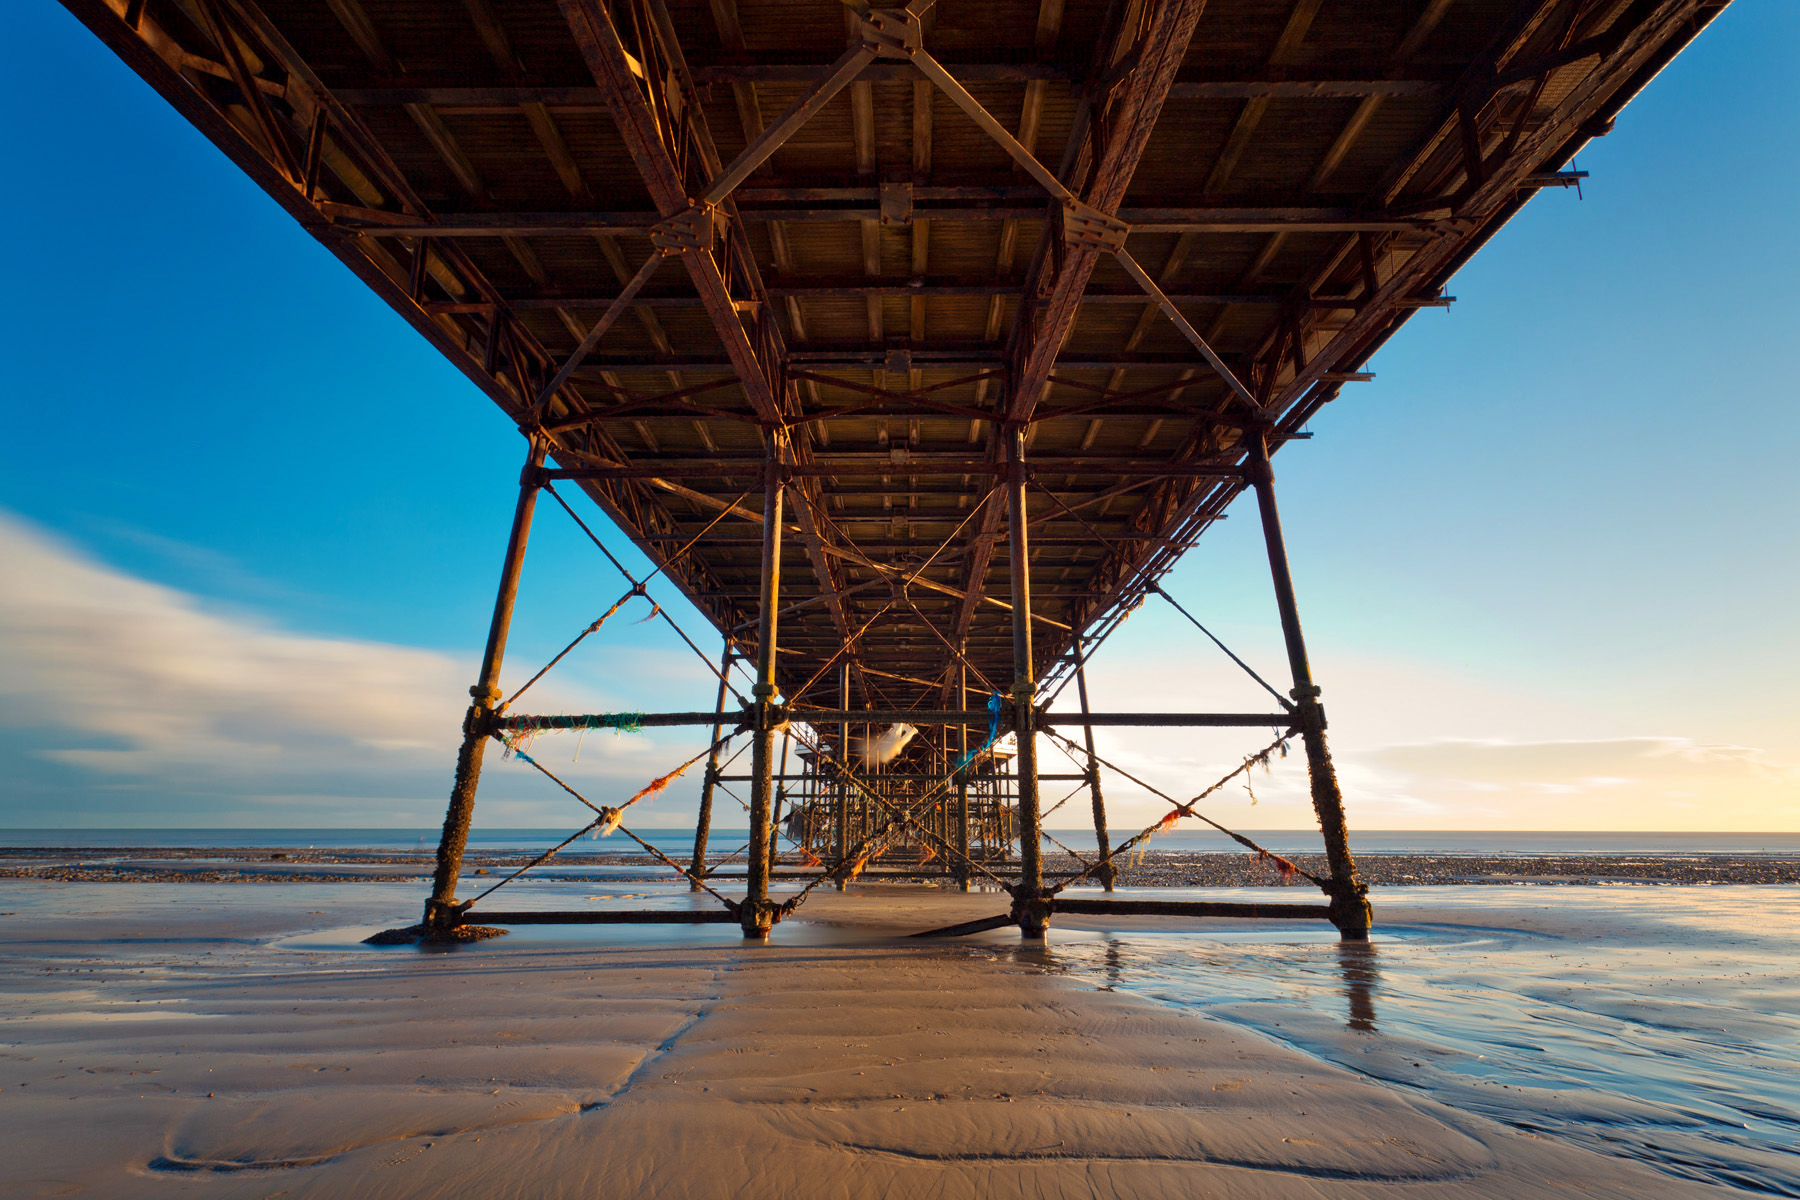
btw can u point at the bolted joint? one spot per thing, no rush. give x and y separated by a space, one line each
692 228
1086 226
1258 471
891 32
1308 708
478 721
896 202
534 475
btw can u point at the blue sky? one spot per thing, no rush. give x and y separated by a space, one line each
1546 561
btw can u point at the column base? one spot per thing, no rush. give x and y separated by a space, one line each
441 915
1351 913
1033 915
757 920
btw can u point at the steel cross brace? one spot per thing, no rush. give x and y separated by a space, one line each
1083 225
691 231
687 228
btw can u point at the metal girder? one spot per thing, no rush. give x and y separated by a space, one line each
614 311
803 209
759 361
1500 191
1562 130
1150 289
755 352
922 465
1291 84
1053 295
816 553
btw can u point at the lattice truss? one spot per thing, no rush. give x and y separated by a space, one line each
918 387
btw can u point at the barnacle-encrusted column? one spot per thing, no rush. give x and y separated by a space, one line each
758 913
1029 904
440 909
1349 895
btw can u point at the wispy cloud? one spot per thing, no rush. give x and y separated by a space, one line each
146 698
1603 783
126 699
1419 746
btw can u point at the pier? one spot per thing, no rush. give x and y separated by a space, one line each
911 346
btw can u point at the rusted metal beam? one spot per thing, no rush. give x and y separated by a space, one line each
877 356
915 464
758 912
1075 906
1054 294
755 352
757 359
1180 321
1662 30
818 546
1028 900
1191 84
1173 216
602 916
925 716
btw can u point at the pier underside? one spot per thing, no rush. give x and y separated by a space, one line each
912 345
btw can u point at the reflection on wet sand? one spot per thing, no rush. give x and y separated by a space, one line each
1357 964
1658 1026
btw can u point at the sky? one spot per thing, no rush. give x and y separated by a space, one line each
250 524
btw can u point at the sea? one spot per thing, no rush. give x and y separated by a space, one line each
1499 843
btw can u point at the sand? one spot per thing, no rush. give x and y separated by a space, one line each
175 1040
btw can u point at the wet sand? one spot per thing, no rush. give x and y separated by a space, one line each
235 1041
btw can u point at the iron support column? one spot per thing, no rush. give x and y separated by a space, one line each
440 910
1108 871
780 802
758 914
1029 904
840 795
1349 895
962 781
703 823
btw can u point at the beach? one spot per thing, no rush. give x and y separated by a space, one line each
1153 868
236 1039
